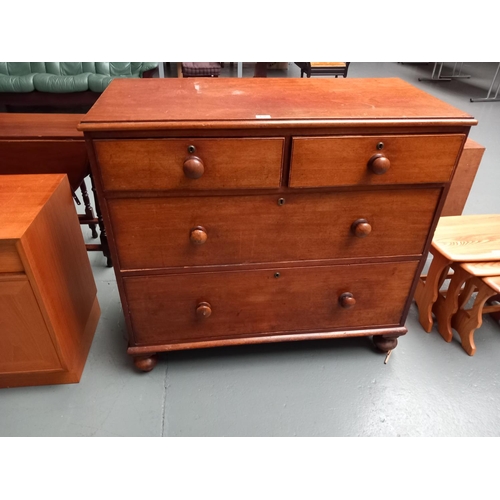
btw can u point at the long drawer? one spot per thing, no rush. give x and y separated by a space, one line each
190 164
170 232
204 306
372 160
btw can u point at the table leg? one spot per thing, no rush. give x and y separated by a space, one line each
428 291
104 237
488 98
89 212
446 306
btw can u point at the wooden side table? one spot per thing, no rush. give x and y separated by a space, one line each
49 143
463 179
452 309
48 297
466 238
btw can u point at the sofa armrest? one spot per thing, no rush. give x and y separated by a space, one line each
148 66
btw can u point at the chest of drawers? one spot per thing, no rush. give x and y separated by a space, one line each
247 211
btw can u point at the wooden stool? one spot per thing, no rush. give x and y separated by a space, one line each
457 296
467 321
465 238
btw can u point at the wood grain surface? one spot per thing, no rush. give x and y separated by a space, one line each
163 308
25 342
158 164
198 100
51 311
156 232
468 237
33 126
463 179
343 161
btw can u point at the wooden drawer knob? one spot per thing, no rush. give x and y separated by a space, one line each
379 164
361 228
198 235
203 310
193 167
347 300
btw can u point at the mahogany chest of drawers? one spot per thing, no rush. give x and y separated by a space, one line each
264 210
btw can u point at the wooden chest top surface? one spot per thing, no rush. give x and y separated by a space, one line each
200 102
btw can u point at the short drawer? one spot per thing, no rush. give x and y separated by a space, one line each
206 306
347 161
10 262
198 231
190 164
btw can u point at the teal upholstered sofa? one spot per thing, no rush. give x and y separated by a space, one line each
60 83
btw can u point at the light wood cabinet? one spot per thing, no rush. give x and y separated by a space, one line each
48 298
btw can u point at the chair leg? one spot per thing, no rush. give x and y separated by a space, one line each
467 322
89 212
446 306
428 291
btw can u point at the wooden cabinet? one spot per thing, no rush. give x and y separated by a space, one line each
246 210
48 303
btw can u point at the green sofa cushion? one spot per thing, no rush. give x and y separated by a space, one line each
66 77
17 83
61 84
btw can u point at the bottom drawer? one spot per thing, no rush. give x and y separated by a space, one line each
207 306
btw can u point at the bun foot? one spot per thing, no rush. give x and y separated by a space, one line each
384 344
146 363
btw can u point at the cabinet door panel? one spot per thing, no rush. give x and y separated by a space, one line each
25 342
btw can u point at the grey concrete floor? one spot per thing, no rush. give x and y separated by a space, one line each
317 388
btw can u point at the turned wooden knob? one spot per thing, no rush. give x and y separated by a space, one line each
379 164
198 235
361 228
193 167
347 300
203 310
